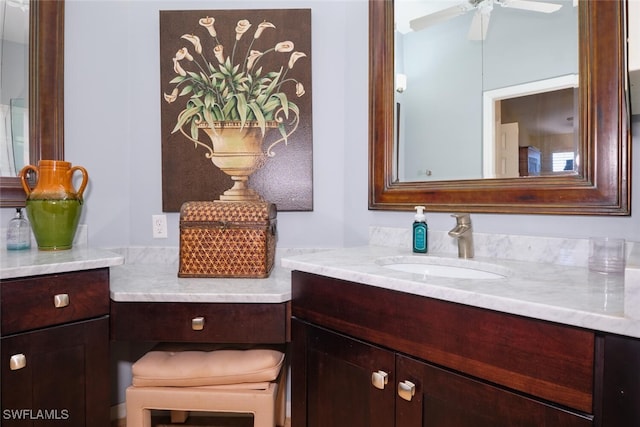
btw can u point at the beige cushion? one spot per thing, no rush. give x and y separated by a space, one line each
204 368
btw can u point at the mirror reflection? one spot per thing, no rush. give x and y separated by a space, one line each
14 86
485 89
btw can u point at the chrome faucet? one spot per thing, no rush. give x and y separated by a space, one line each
463 232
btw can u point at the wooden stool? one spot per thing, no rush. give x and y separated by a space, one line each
232 381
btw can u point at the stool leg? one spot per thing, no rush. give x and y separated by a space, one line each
263 419
139 418
281 398
179 416
137 414
264 411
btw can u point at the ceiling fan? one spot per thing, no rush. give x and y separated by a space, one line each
483 8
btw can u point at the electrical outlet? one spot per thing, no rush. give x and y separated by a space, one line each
159 226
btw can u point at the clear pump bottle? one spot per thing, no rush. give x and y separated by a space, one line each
18 232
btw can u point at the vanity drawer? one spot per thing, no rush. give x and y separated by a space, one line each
41 301
552 361
200 322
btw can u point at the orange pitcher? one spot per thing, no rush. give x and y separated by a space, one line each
54 205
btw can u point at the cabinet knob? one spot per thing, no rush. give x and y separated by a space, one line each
17 361
197 323
61 300
406 390
379 379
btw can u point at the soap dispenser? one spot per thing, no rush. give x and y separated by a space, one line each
18 232
420 230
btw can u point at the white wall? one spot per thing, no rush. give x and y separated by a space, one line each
113 114
112 127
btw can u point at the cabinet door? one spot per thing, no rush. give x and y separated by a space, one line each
58 376
339 381
442 398
621 384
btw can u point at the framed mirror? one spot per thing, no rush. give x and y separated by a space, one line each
598 185
46 93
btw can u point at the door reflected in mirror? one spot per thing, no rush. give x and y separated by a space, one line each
531 129
450 55
14 86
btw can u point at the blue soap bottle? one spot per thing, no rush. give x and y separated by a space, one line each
420 230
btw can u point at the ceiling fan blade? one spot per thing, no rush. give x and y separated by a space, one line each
425 21
535 6
479 25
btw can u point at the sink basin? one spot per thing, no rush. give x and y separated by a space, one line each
457 269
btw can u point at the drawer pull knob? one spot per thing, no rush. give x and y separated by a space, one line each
197 323
379 379
17 361
406 390
61 300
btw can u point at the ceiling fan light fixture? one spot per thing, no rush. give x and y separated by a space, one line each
479 25
23 5
426 21
478 29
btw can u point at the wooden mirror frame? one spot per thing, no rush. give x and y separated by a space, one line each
46 92
602 184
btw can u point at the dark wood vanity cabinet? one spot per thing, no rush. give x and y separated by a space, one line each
367 356
55 349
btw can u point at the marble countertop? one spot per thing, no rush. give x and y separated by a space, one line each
559 293
160 283
33 262
147 274
568 294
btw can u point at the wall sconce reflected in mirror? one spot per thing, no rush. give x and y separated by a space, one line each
401 82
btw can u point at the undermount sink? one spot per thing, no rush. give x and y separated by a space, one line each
442 267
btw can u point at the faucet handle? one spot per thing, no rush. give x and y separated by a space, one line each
462 218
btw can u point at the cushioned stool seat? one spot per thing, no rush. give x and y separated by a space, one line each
233 381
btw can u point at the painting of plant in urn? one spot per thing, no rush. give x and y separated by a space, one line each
235 84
